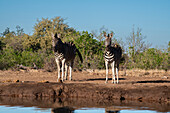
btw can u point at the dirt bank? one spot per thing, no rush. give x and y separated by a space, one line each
77 103
144 86
86 90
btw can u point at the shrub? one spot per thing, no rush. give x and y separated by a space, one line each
50 64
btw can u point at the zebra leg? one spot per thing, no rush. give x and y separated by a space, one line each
113 72
58 68
66 70
107 70
71 66
117 73
63 64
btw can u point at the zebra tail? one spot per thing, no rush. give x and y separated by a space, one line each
79 54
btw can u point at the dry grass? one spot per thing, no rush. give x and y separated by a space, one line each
44 76
137 72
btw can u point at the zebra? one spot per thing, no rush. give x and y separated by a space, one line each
112 55
65 54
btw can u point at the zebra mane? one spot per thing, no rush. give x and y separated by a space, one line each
116 45
71 44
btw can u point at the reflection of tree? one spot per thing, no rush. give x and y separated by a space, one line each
62 110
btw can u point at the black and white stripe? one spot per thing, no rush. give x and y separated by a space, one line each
64 53
109 56
112 56
59 55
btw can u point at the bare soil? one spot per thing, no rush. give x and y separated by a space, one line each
136 89
136 85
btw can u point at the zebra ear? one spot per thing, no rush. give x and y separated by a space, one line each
105 34
111 35
56 36
52 35
59 35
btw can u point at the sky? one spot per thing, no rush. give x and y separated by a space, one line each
119 16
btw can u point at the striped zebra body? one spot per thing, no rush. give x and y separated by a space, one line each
64 54
109 56
59 55
112 55
66 51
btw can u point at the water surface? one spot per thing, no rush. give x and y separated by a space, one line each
7 109
78 105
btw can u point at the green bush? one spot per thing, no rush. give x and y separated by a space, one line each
151 59
10 58
20 48
50 63
91 50
7 58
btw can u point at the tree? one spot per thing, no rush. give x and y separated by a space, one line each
136 41
44 28
91 50
152 59
1 45
99 34
7 31
12 39
20 31
136 44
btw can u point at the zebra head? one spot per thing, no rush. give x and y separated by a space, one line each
56 42
108 40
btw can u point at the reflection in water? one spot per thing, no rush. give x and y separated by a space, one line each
112 111
62 110
71 110
70 105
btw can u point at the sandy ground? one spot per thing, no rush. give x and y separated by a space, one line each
132 77
137 88
136 81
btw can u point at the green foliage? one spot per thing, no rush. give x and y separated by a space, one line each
20 48
136 47
49 63
1 45
27 58
10 58
151 59
20 31
44 28
7 32
7 58
91 50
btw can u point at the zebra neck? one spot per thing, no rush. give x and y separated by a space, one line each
108 53
59 48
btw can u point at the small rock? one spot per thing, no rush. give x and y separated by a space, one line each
165 77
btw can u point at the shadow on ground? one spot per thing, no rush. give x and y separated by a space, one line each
154 81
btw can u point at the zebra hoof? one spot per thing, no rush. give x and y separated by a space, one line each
59 80
113 82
